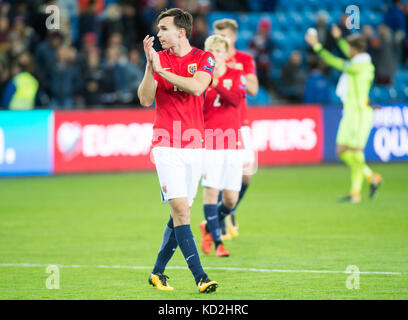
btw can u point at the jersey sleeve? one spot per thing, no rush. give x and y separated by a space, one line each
237 92
207 64
336 62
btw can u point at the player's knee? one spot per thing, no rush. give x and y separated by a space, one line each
230 199
180 211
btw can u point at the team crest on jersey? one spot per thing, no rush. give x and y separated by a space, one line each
164 189
211 61
192 68
227 83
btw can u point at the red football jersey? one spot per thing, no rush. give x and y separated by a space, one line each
222 111
179 121
245 62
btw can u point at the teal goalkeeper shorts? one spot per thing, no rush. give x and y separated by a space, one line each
355 127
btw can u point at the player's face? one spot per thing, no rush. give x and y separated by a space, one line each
219 52
227 33
169 35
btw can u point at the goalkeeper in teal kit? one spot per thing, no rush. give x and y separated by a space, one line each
353 89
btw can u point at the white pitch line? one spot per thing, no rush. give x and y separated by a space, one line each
209 268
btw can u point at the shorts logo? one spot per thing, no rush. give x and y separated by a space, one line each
227 83
211 61
164 189
192 68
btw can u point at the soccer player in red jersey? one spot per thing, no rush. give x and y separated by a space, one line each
242 61
176 78
222 159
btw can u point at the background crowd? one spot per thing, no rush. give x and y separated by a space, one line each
95 58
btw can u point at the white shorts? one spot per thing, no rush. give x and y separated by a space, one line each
179 171
222 169
248 151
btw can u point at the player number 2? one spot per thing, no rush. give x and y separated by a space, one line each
217 102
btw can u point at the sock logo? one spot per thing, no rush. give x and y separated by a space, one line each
190 257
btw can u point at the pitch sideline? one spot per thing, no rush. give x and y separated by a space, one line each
208 268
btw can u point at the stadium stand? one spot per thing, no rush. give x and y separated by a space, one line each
289 21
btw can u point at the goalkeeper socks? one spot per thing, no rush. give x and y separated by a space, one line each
213 225
223 211
188 247
167 248
355 161
357 175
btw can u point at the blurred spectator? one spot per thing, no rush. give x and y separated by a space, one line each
92 74
293 78
136 72
87 20
373 43
323 31
4 34
152 11
99 5
111 22
46 59
394 16
343 25
4 78
200 32
21 90
387 62
405 42
261 45
395 20
236 5
132 25
115 81
203 7
317 84
65 80
88 44
4 8
116 40
69 6
22 33
150 15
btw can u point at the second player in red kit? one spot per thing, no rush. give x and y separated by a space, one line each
222 157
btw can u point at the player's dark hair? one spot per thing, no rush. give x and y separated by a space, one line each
182 19
357 41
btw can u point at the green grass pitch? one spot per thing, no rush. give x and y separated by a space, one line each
290 221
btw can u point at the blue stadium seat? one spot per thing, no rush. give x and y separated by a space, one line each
262 98
402 91
401 77
382 94
278 57
333 98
